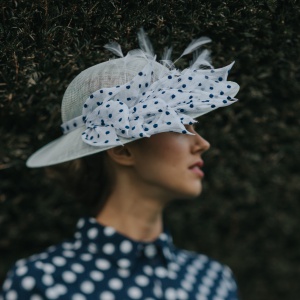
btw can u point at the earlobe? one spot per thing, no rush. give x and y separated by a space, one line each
121 155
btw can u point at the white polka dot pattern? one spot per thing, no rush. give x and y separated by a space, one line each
148 270
87 287
51 293
59 261
157 290
96 275
135 293
107 296
86 257
69 277
150 251
47 280
78 297
182 294
124 263
108 248
125 246
109 231
68 253
160 272
92 233
115 284
12 295
7 284
21 271
48 268
118 269
102 264
142 280
170 294
28 283
92 248
77 268
61 289
124 273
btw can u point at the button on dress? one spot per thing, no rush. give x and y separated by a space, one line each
100 263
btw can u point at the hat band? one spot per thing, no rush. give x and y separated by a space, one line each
72 124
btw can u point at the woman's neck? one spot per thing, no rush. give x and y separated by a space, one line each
133 215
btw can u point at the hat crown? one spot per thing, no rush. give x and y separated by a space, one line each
104 75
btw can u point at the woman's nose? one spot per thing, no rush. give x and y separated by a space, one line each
201 144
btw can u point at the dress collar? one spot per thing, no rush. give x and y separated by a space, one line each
124 251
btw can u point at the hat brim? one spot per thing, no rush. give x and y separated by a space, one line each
68 147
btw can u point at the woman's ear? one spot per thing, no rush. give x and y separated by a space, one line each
121 155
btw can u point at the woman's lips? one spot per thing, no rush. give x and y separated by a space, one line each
197 171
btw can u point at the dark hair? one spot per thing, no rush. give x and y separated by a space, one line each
88 179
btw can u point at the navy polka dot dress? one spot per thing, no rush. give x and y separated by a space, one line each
100 263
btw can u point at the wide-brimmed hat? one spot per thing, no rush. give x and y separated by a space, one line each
133 97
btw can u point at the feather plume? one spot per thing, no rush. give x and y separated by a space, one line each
115 48
167 54
145 43
194 45
201 59
168 63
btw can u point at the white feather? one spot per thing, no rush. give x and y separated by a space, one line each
194 45
201 59
168 63
167 54
145 43
115 48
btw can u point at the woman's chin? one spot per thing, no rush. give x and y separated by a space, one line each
191 193
196 190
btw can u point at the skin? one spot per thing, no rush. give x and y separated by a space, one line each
148 174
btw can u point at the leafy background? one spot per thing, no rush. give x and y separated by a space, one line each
248 214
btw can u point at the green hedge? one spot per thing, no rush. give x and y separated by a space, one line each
248 214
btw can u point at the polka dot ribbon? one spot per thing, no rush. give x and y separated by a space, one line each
143 107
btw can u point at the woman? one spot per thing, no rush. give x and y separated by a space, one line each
139 124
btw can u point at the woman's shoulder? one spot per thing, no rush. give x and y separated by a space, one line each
198 259
29 276
211 270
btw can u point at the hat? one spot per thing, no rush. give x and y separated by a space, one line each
133 97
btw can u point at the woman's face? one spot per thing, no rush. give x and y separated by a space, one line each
170 163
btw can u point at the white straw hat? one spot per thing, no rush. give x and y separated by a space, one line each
124 99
